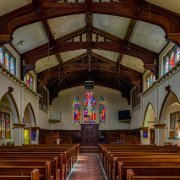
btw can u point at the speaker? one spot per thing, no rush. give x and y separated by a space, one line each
89 84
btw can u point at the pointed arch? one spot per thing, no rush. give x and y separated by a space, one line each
170 100
149 116
13 106
170 115
29 116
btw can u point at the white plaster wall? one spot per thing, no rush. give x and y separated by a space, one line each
43 120
64 104
156 97
21 96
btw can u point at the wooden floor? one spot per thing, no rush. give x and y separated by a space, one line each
87 168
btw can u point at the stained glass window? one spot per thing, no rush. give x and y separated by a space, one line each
77 108
102 110
8 60
4 125
177 54
29 80
166 64
89 108
150 78
12 65
171 58
1 56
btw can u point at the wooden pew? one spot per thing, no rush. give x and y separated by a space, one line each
34 176
156 167
67 156
131 176
111 155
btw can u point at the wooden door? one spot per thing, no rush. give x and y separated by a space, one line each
152 136
89 134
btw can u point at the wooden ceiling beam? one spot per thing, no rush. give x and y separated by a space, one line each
126 72
169 21
128 34
121 46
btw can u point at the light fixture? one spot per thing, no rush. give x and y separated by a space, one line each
89 83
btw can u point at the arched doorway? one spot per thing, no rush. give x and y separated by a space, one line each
170 115
148 136
9 115
29 122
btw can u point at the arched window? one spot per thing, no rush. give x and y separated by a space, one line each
171 58
4 125
150 78
29 80
102 110
89 108
77 108
8 60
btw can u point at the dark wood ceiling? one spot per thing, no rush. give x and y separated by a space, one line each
105 71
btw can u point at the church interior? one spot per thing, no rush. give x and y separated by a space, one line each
89 89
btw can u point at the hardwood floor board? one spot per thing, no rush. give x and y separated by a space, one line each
87 168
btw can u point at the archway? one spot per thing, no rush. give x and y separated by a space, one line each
170 115
29 122
9 115
148 136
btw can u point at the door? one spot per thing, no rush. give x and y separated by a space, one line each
89 134
152 136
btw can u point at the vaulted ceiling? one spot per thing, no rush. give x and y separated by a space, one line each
114 39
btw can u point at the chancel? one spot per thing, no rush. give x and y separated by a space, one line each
89 89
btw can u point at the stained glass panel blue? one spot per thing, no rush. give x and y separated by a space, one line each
89 108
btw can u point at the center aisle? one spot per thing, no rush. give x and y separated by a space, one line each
87 168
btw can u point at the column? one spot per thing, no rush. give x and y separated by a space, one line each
159 134
18 136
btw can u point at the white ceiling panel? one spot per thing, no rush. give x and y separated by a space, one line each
149 36
133 63
11 5
112 24
72 54
107 54
173 5
29 37
45 63
63 25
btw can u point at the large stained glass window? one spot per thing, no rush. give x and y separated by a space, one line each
8 60
102 110
150 78
29 80
89 108
77 108
4 125
171 59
